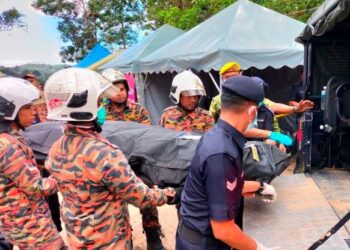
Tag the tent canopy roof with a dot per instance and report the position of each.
(243, 32)
(147, 45)
(97, 53)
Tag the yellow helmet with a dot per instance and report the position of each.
(232, 66)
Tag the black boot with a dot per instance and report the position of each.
(153, 239)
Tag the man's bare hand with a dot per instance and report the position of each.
(304, 105)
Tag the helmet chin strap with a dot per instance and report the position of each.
(97, 127)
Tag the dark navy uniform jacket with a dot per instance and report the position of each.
(214, 185)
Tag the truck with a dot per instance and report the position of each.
(324, 132)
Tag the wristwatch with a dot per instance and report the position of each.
(261, 188)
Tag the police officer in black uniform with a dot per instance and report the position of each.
(213, 189)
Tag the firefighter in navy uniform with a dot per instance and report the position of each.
(208, 214)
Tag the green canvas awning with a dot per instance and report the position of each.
(244, 32)
(146, 46)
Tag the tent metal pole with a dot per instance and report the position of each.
(146, 83)
(215, 83)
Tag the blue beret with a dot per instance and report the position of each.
(244, 86)
(260, 81)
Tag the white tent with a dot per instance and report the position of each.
(244, 32)
(260, 39)
(146, 46)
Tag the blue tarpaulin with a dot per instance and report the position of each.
(96, 54)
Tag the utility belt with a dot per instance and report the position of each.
(195, 237)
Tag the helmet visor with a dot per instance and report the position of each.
(193, 92)
(110, 92)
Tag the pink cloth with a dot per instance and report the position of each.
(131, 81)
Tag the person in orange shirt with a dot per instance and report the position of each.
(93, 175)
(40, 106)
(186, 90)
(118, 107)
(25, 219)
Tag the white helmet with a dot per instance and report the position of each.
(113, 75)
(186, 83)
(14, 94)
(72, 94)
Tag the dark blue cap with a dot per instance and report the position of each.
(261, 81)
(244, 86)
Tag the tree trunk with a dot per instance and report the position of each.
(123, 35)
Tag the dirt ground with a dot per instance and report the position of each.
(168, 221)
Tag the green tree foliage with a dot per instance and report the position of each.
(297, 9)
(10, 19)
(84, 23)
(186, 14)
